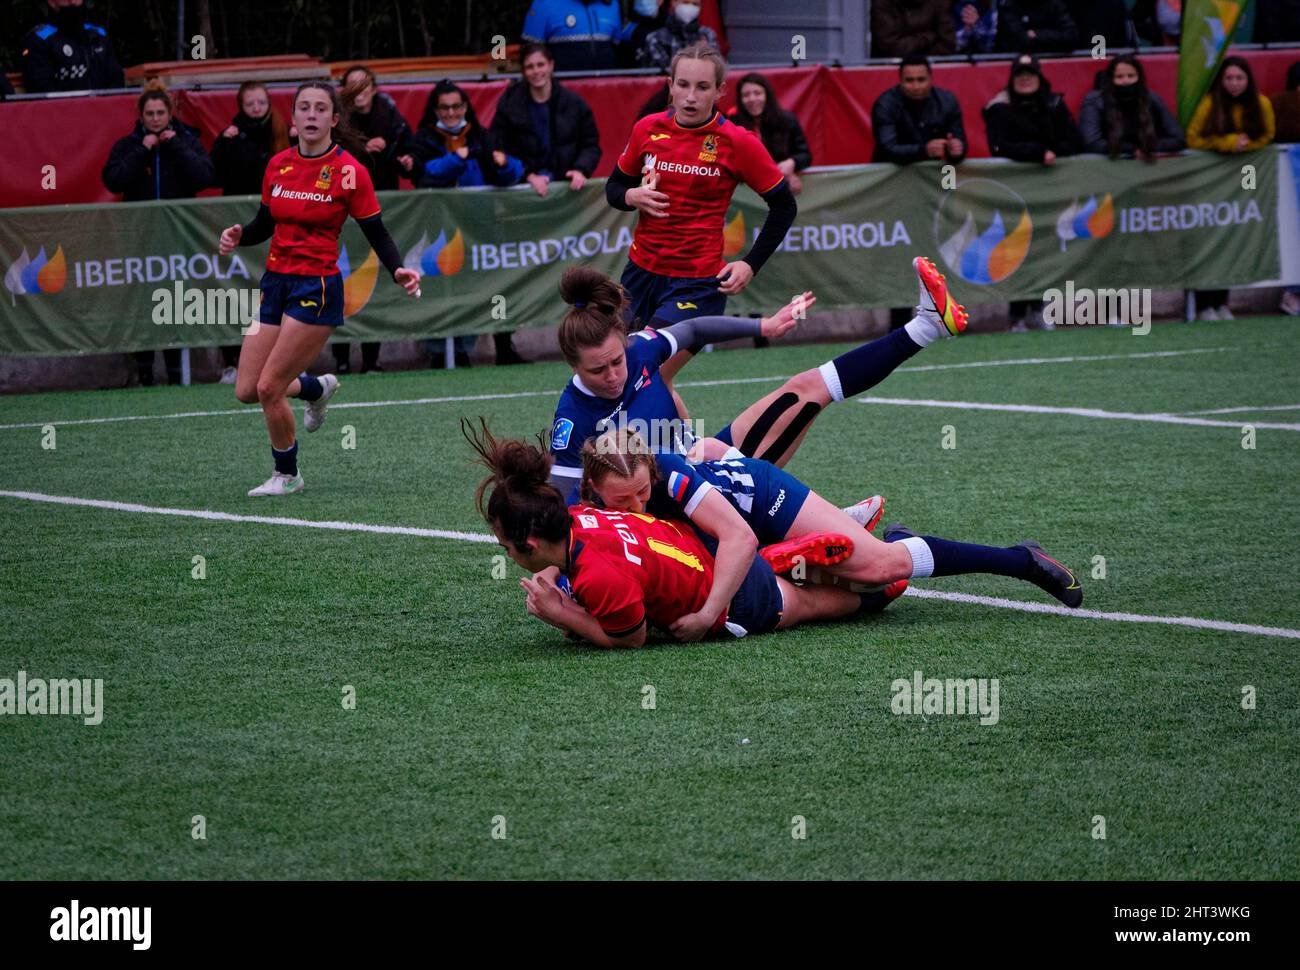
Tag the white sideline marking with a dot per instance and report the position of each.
(400, 530)
(1270, 407)
(250, 409)
(1076, 412)
(1026, 607)
(999, 602)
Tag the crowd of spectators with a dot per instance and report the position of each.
(544, 133)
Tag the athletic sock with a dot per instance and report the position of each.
(866, 366)
(924, 332)
(943, 557)
(310, 388)
(286, 462)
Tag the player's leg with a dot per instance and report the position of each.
(872, 562)
(253, 352)
(814, 602)
(773, 427)
(298, 345)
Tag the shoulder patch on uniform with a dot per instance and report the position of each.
(649, 333)
(43, 31)
(677, 485)
(561, 433)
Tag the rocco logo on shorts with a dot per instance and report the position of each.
(780, 497)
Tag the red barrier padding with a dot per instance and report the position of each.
(833, 105)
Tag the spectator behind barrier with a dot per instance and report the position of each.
(976, 22)
(914, 122)
(644, 18)
(1232, 118)
(1126, 118)
(239, 156)
(1277, 21)
(900, 28)
(584, 35)
(161, 159)
(6, 88)
(1029, 122)
(67, 53)
(778, 129)
(1107, 19)
(453, 150)
(1286, 108)
(373, 115)
(682, 29)
(1035, 26)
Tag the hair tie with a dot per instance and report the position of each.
(579, 305)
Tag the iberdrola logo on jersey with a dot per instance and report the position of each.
(983, 231)
(442, 257)
(358, 286)
(40, 275)
(1092, 220)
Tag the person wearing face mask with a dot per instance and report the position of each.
(1232, 118)
(67, 53)
(682, 29)
(1124, 117)
(1029, 122)
(161, 159)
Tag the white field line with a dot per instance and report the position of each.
(454, 399)
(1075, 412)
(993, 601)
(1242, 410)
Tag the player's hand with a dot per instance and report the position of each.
(231, 132)
(788, 317)
(543, 600)
(551, 574)
(462, 151)
(376, 145)
(409, 280)
(708, 449)
(540, 183)
(693, 626)
(230, 239)
(796, 183)
(576, 179)
(735, 277)
(935, 146)
(149, 141)
(648, 201)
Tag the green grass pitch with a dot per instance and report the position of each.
(222, 696)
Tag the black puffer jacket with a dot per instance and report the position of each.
(1053, 27)
(575, 142)
(1026, 129)
(240, 161)
(386, 122)
(178, 168)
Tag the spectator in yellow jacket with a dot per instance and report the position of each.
(1233, 117)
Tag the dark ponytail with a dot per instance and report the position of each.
(597, 310)
(516, 497)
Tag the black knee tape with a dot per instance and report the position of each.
(791, 434)
(765, 421)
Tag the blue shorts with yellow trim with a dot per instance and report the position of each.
(309, 299)
(758, 604)
(662, 300)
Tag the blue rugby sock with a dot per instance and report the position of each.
(943, 557)
(866, 366)
(310, 389)
(286, 462)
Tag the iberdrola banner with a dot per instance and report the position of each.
(1208, 27)
(120, 277)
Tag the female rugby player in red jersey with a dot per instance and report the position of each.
(308, 192)
(626, 571)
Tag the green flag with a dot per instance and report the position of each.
(1208, 26)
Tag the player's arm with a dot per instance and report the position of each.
(736, 548)
(382, 243)
(547, 603)
(692, 335)
(616, 188)
(257, 231)
(781, 211)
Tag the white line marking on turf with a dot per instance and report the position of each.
(523, 394)
(258, 519)
(1076, 412)
(1025, 607)
(994, 601)
(1269, 407)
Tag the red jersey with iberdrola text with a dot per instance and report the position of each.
(310, 199)
(627, 568)
(699, 169)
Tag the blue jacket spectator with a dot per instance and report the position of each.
(977, 30)
(65, 53)
(582, 34)
(452, 150)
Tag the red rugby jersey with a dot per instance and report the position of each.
(309, 203)
(699, 169)
(625, 568)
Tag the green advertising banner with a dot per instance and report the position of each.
(108, 278)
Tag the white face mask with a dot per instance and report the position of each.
(646, 8)
(688, 13)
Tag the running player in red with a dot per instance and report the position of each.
(626, 571)
(693, 159)
(308, 192)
